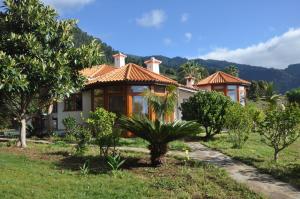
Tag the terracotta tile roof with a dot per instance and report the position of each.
(222, 78)
(134, 73)
(96, 71)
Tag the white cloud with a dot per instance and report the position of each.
(153, 18)
(167, 41)
(184, 17)
(277, 52)
(188, 36)
(63, 5)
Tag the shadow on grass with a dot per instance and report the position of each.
(97, 164)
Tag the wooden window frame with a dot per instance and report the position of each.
(73, 98)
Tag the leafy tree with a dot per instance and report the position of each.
(293, 96)
(39, 63)
(280, 128)
(101, 123)
(263, 90)
(158, 133)
(239, 121)
(163, 106)
(208, 109)
(232, 70)
(191, 69)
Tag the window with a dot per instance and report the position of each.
(159, 89)
(139, 105)
(219, 89)
(117, 104)
(114, 89)
(138, 89)
(73, 103)
(98, 98)
(232, 92)
(242, 95)
(54, 107)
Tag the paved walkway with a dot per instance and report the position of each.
(245, 174)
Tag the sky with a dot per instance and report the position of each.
(257, 32)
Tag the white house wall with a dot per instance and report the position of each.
(86, 108)
(183, 94)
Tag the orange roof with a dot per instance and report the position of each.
(131, 72)
(95, 71)
(221, 78)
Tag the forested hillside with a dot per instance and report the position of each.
(284, 80)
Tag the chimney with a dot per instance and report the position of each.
(190, 81)
(119, 59)
(153, 65)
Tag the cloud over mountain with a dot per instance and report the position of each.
(277, 52)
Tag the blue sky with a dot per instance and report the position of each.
(258, 32)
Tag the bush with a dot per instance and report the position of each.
(83, 137)
(280, 128)
(208, 109)
(71, 126)
(293, 96)
(101, 124)
(239, 122)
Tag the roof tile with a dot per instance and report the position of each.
(221, 78)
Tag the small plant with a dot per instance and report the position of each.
(71, 126)
(115, 162)
(83, 137)
(85, 168)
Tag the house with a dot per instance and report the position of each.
(119, 89)
(229, 85)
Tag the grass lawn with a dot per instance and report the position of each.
(51, 171)
(255, 153)
(138, 142)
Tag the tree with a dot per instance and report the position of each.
(191, 69)
(239, 122)
(100, 123)
(280, 128)
(232, 70)
(39, 63)
(163, 106)
(293, 96)
(158, 133)
(208, 109)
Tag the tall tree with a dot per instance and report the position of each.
(191, 69)
(232, 70)
(38, 61)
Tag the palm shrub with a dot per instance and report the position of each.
(158, 133)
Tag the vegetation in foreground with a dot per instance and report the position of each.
(53, 172)
(256, 153)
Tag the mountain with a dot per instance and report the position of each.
(284, 79)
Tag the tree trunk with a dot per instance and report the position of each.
(49, 119)
(22, 138)
(157, 152)
(276, 156)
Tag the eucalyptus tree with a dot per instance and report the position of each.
(38, 61)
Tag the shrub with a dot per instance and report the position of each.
(208, 109)
(239, 122)
(71, 127)
(101, 124)
(293, 96)
(83, 137)
(158, 133)
(280, 128)
(115, 161)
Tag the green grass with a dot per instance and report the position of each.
(138, 142)
(255, 153)
(51, 171)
